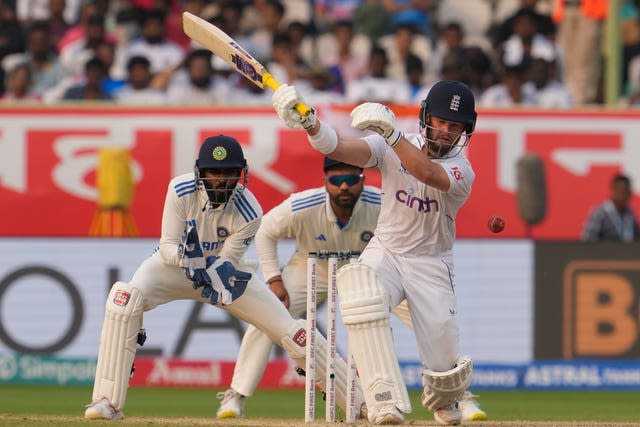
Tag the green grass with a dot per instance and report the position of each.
(27, 401)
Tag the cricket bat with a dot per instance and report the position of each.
(218, 42)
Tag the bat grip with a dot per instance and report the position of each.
(269, 81)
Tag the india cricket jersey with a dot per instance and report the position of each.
(308, 217)
(225, 231)
(409, 206)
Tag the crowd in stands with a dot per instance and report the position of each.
(530, 53)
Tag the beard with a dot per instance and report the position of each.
(345, 199)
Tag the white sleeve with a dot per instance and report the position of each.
(276, 225)
(173, 227)
(378, 147)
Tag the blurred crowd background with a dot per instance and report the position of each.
(538, 54)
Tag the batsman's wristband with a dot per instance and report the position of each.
(394, 138)
(326, 140)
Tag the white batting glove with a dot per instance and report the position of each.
(377, 118)
(284, 100)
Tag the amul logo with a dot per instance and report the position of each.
(601, 301)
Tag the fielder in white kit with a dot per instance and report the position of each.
(340, 216)
(209, 220)
(425, 180)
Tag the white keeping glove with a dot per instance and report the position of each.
(377, 118)
(284, 100)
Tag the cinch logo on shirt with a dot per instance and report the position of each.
(422, 205)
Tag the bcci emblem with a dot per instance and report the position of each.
(219, 153)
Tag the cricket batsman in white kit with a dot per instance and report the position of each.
(209, 220)
(426, 178)
(340, 216)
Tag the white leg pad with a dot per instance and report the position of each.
(364, 305)
(294, 344)
(444, 388)
(122, 321)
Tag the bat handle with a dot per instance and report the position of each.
(269, 81)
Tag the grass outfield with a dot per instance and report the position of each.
(36, 406)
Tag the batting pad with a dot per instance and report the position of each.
(443, 388)
(364, 306)
(294, 346)
(122, 321)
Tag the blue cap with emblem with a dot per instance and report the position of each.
(221, 152)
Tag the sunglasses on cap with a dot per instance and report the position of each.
(337, 180)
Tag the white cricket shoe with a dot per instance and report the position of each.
(448, 415)
(388, 415)
(470, 409)
(102, 410)
(232, 405)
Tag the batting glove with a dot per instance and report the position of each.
(377, 118)
(228, 283)
(192, 259)
(284, 101)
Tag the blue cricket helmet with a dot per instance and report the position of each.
(221, 152)
(450, 100)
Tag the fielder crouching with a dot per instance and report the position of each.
(209, 220)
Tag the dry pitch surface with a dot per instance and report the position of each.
(66, 421)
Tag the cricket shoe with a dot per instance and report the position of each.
(388, 415)
(102, 410)
(470, 409)
(448, 415)
(232, 405)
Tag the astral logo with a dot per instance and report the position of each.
(422, 205)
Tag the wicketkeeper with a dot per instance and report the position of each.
(209, 219)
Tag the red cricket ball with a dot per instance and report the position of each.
(496, 223)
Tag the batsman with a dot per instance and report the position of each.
(210, 217)
(426, 178)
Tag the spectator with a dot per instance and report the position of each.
(526, 42)
(377, 86)
(95, 72)
(200, 86)
(372, 20)
(342, 54)
(58, 22)
(75, 54)
(613, 220)
(550, 93)
(579, 39)
(12, 37)
(19, 84)
(285, 66)
(46, 70)
(511, 91)
(543, 22)
(162, 53)
(403, 41)
(416, 13)
(138, 90)
(271, 24)
(328, 12)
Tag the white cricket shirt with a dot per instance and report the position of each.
(415, 218)
(307, 216)
(225, 231)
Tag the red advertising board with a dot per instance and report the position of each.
(48, 159)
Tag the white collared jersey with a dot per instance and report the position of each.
(415, 218)
(308, 217)
(226, 231)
